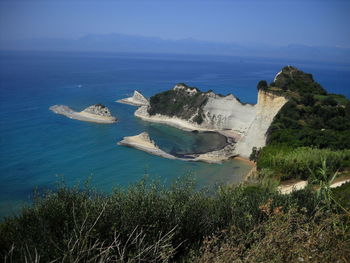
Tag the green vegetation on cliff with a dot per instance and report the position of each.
(312, 118)
(179, 102)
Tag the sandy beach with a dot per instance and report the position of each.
(171, 121)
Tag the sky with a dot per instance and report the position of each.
(270, 22)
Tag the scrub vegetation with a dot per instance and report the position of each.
(152, 223)
(179, 103)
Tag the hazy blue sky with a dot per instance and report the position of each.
(319, 22)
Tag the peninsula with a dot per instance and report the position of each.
(97, 113)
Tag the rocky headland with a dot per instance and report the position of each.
(281, 106)
(188, 108)
(97, 113)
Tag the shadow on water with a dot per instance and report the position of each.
(180, 143)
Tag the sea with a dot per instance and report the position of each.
(38, 148)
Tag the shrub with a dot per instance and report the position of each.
(262, 85)
(61, 225)
(290, 236)
(300, 163)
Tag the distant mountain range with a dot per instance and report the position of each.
(130, 43)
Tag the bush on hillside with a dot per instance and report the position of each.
(300, 163)
(74, 224)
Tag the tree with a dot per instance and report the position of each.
(262, 85)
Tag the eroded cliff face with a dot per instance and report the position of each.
(227, 112)
(267, 108)
(217, 112)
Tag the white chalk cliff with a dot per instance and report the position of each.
(227, 113)
(266, 109)
(137, 99)
(250, 122)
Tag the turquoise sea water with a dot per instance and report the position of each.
(38, 146)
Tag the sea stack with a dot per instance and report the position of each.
(137, 99)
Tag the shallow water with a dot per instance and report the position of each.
(179, 142)
(37, 146)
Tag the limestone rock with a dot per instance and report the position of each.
(137, 99)
(98, 109)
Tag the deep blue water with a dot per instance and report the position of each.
(38, 146)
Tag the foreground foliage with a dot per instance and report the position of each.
(152, 223)
(290, 236)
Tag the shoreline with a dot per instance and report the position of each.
(144, 143)
(227, 152)
(247, 161)
(171, 121)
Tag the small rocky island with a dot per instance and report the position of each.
(97, 113)
(137, 99)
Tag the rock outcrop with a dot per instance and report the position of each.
(99, 110)
(267, 108)
(144, 143)
(136, 100)
(97, 113)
